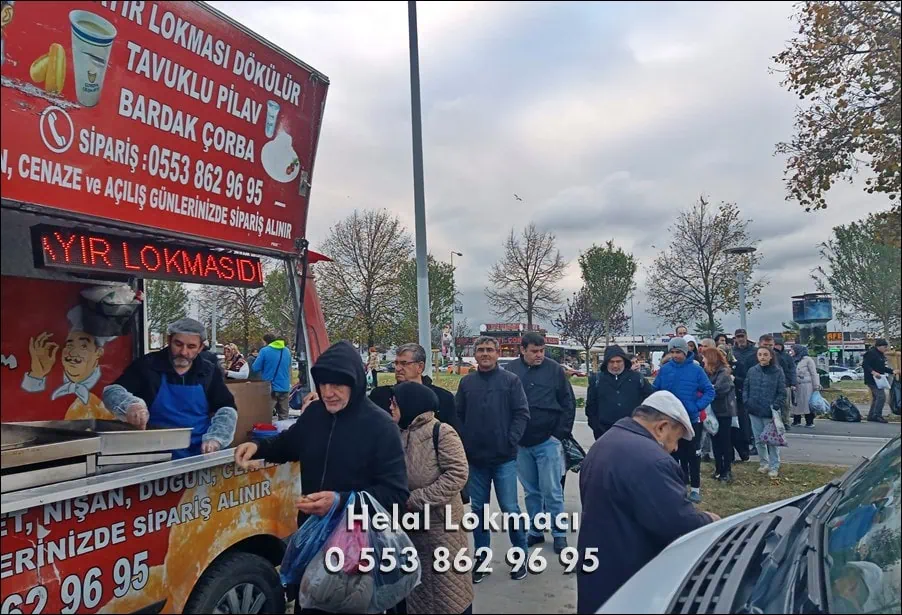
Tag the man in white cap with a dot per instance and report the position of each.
(633, 497)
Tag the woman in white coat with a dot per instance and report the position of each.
(808, 384)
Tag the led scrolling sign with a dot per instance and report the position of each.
(76, 250)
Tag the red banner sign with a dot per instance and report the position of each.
(59, 248)
(165, 115)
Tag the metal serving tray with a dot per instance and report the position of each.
(27, 445)
(119, 438)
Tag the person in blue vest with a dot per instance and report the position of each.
(175, 387)
(274, 365)
(686, 379)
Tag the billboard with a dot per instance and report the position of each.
(812, 308)
(162, 115)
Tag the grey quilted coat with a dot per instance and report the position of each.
(437, 480)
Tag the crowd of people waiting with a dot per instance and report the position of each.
(413, 444)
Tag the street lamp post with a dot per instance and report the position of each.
(453, 308)
(740, 279)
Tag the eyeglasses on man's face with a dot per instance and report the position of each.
(405, 363)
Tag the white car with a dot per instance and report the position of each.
(833, 550)
(838, 374)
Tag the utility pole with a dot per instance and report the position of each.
(453, 309)
(419, 196)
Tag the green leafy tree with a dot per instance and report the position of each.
(166, 301)
(523, 284)
(694, 277)
(360, 287)
(608, 277)
(707, 329)
(846, 62)
(865, 275)
(441, 299)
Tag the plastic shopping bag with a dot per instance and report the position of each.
(881, 381)
(778, 421)
(712, 425)
(772, 436)
(307, 541)
(350, 542)
(390, 588)
(334, 592)
(817, 404)
(574, 454)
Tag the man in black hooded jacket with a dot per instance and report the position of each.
(615, 391)
(343, 440)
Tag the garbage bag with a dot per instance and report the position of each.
(817, 404)
(895, 397)
(844, 411)
(307, 541)
(573, 454)
(393, 586)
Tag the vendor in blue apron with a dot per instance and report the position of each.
(177, 387)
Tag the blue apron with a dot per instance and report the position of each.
(182, 405)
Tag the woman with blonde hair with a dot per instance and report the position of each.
(235, 365)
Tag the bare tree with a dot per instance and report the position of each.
(238, 312)
(523, 282)
(694, 277)
(579, 323)
(360, 287)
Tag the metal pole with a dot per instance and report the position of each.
(213, 326)
(632, 324)
(453, 312)
(740, 278)
(419, 199)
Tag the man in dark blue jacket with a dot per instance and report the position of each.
(493, 412)
(744, 354)
(633, 497)
(873, 364)
(540, 460)
(615, 391)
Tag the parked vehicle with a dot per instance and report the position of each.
(833, 550)
(839, 374)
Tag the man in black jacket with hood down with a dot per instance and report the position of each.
(540, 458)
(615, 391)
(343, 440)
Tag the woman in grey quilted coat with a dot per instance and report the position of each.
(435, 475)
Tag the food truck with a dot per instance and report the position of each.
(140, 140)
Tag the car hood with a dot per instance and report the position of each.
(652, 589)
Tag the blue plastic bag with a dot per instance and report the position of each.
(817, 404)
(307, 541)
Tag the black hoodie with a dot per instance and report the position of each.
(355, 449)
(611, 397)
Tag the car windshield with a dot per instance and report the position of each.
(864, 541)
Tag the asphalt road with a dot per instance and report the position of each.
(828, 442)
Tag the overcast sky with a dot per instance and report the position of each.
(605, 118)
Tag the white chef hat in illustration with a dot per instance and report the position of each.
(76, 323)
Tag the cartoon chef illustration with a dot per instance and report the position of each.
(81, 368)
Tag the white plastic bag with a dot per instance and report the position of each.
(881, 381)
(712, 425)
(778, 422)
(390, 588)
